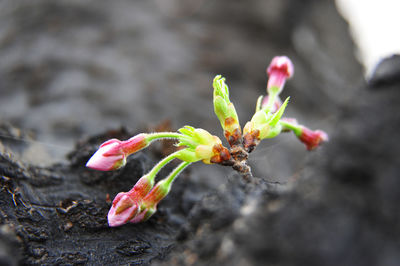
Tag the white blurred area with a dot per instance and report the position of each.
(375, 27)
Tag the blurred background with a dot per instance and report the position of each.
(373, 26)
(72, 69)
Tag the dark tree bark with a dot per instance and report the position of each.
(71, 68)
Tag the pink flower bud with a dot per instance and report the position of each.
(280, 69)
(312, 139)
(127, 205)
(134, 206)
(141, 217)
(159, 191)
(135, 144)
(124, 208)
(150, 201)
(108, 157)
(142, 187)
(112, 154)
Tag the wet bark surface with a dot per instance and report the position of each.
(70, 71)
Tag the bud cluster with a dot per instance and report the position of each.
(140, 203)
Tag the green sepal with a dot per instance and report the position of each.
(267, 123)
(187, 130)
(260, 118)
(149, 212)
(258, 104)
(278, 114)
(270, 132)
(187, 155)
(195, 138)
(203, 137)
(196, 135)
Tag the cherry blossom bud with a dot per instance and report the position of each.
(142, 186)
(108, 157)
(144, 215)
(127, 205)
(112, 154)
(159, 192)
(124, 208)
(312, 139)
(135, 144)
(280, 69)
(150, 201)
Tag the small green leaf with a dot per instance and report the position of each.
(185, 143)
(187, 130)
(278, 114)
(187, 155)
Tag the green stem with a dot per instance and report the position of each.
(168, 135)
(291, 126)
(169, 179)
(162, 188)
(163, 135)
(271, 100)
(153, 172)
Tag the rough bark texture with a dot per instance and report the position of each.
(58, 215)
(72, 69)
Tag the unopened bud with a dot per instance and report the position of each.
(312, 139)
(135, 144)
(127, 205)
(159, 191)
(112, 154)
(142, 186)
(108, 157)
(280, 69)
(226, 112)
(144, 215)
(124, 208)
